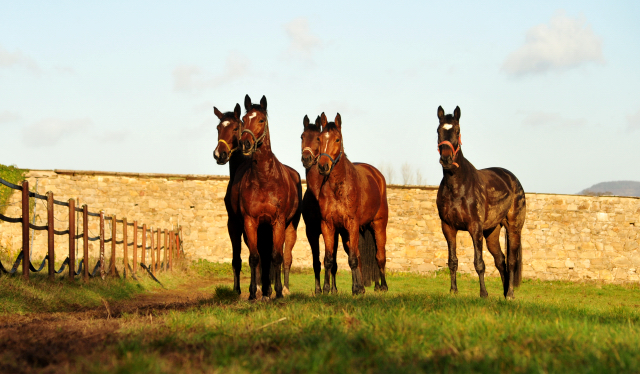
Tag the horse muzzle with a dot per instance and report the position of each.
(247, 147)
(221, 157)
(324, 169)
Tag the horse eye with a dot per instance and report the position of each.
(337, 140)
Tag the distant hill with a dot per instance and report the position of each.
(617, 188)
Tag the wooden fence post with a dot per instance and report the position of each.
(125, 248)
(153, 256)
(135, 246)
(50, 231)
(85, 240)
(101, 244)
(144, 243)
(25, 230)
(72, 239)
(171, 250)
(112, 267)
(164, 263)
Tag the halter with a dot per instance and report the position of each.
(228, 146)
(455, 151)
(256, 141)
(333, 162)
(315, 158)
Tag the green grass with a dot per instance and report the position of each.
(10, 174)
(39, 295)
(416, 327)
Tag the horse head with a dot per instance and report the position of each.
(255, 125)
(331, 147)
(449, 140)
(227, 134)
(310, 141)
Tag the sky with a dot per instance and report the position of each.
(549, 89)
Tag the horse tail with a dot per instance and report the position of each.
(517, 253)
(368, 249)
(265, 249)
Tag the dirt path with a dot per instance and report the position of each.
(50, 342)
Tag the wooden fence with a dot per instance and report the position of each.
(172, 242)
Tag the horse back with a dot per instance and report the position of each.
(503, 193)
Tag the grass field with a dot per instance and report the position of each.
(415, 327)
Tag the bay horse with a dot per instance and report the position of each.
(480, 202)
(352, 200)
(270, 202)
(226, 152)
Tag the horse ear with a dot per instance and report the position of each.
(237, 111)
(305, 121)
(323, 119)
(217, 113)
(247, 103)
(338, 121)
(263, 103)
(319, 122)
(456, 113)
(440, 113)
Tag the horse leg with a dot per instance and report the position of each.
(235, 234)
(514, 258)
(475, 230)
(290, 237)
(251, 236)
(492, 236)
(313, 236)
(328, 232)
(277, 259)
(450, 233)
(380, 234)
(334, 265)
(357, 284)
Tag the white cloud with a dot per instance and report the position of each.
(190, 78)
(50, 131)
(563, 44)
(302, 42)
(8, 60)
(634, 121)
(113, 136)
(6, 117)
(536, 119)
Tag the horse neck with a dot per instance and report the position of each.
(314, 179)
(263, 160)
(340, 173)
(237, 159)
(458, 176)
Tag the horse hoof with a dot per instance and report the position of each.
(252, 297)
(334, 291)
(384, 288)
(484, 294)
(285, 291)
(510, 297)
(318, 291)
(265, 298)
(453, 291)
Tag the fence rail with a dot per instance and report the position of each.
(172, 241)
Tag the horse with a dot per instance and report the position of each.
(270, 197)
(352, 200)
(310, 207)
(480, 202)
(225, 152)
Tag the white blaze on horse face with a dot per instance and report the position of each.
(225, 123)
(447, 126)
(253, 115)
(216, 153)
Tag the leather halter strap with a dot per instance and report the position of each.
(455, 151)
(228, 146)
(315, 158)
(257, 142)
(333, 162)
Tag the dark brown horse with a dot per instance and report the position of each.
(270, 203)
(352, 199)
(480, 202)
(227, 152)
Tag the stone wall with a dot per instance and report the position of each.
(565, 236)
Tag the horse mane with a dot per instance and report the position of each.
(228, 116)
(314, 127)
(259, 108)
(330, 126)
(448, 118)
